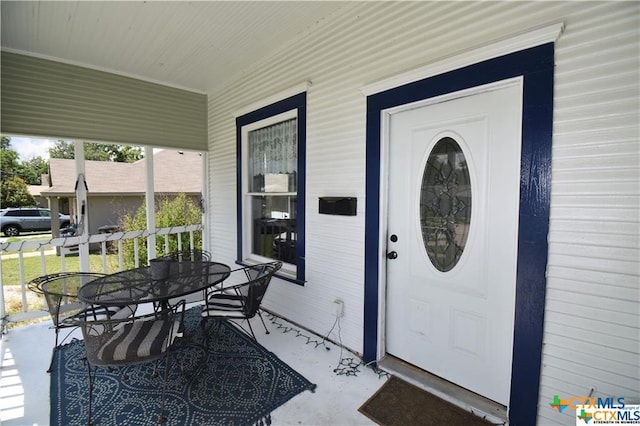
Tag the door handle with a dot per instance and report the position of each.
(392, 255)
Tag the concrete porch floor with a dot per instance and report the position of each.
(24, 383)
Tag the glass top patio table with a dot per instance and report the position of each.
(136, 286)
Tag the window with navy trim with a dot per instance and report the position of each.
(271, 145)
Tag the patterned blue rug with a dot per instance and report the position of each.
(240, 384)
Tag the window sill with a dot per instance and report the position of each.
(283, 275)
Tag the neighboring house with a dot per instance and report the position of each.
(36, 193)
(117, 189)
(529, 299)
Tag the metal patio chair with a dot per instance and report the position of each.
(60, 292)
(241, 301)
(113, 343)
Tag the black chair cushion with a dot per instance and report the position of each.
(224, 305)
(141, 339)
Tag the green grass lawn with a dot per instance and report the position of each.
(33, 269)
(53, 264)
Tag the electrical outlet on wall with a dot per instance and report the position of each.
(339, 305)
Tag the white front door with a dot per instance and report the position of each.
(452, 231)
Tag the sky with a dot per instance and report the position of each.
(28, 148)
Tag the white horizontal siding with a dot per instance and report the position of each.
(592, 337)
(593, 302)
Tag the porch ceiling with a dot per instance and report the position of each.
(199, 46)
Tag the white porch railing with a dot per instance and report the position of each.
(69, 245)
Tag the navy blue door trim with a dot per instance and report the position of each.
(536, 65)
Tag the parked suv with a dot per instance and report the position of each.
(13, 221)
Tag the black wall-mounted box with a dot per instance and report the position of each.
(344, 206)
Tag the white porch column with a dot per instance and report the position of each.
(204, 195)
(82, 213)
(150, 202)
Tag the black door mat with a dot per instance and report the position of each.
(400, 403)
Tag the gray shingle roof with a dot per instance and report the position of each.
(174, 172)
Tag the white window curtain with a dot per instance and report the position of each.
(273, 150)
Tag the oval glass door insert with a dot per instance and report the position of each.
(445, 204)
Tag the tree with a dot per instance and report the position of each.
(8, 159)
(31, 171)
(125, 153)
(5, 142)
(63, 150)
(13, 189)
(97, 152)
(14, 193)
(176, 211)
